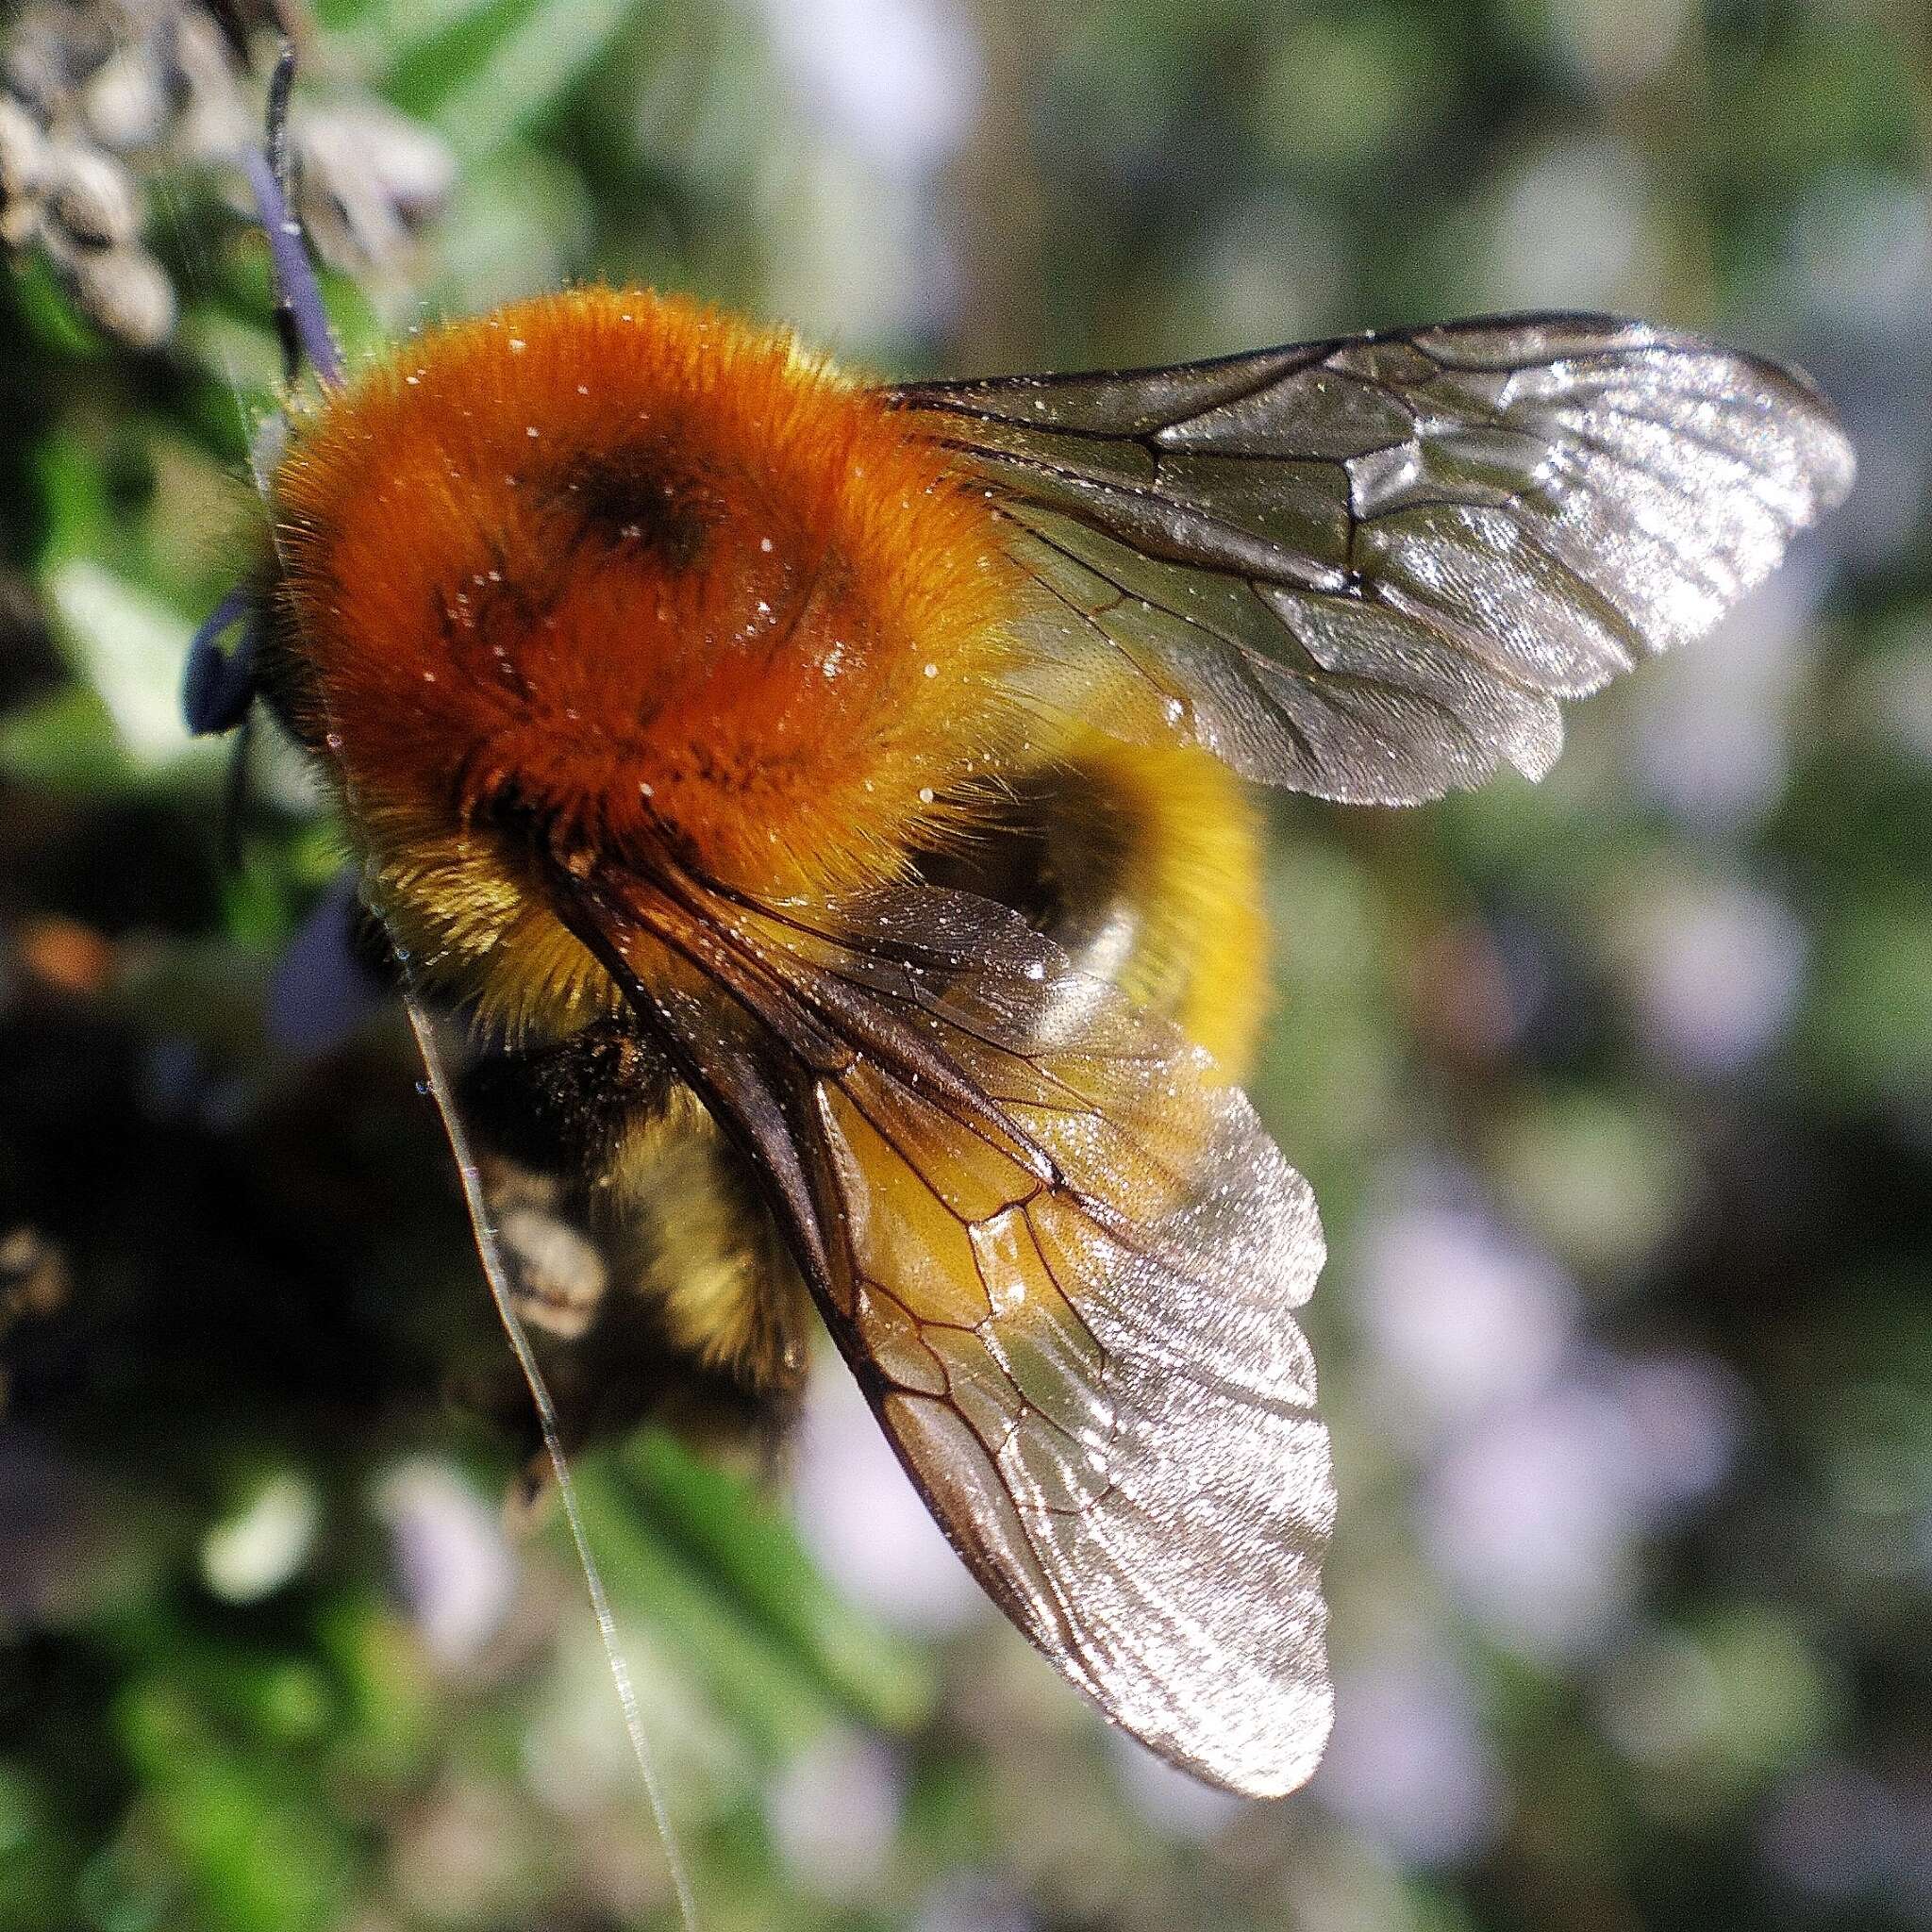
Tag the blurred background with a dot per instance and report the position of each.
(1617, 1091)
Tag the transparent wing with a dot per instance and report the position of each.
(1369, 568)
(1063, 1260)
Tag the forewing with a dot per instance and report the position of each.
(1368, 568)
(1063, 1260)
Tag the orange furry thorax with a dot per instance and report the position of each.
(652, 572)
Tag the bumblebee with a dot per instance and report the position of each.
(826, 798)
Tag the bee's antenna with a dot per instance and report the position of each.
(281, 88)
(301, 321)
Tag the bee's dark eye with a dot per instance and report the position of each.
(219, 685)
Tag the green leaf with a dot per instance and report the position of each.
(505, 68)
(751, 1548)
(772, 1696)
(52, 320)
(65, 741)
(1866, 1030)
(131, 647)
(262, 1854)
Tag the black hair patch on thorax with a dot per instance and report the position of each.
(638, 497)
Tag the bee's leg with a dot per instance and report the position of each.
(637, 1252)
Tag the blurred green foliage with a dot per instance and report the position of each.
(1617, 1092)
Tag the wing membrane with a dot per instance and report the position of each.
(1063, 1259)
(1369, 568)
